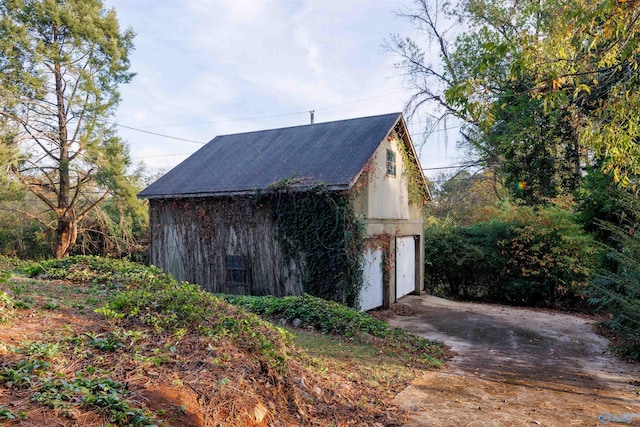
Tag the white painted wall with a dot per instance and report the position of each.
(388, 196)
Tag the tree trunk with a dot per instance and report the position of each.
(66, 234)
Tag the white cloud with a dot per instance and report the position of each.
(202, 63)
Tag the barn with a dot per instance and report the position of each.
(330, 209)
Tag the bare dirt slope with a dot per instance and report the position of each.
(515, 367)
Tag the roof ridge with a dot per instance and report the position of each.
(309, 124)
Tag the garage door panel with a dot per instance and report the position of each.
(372, 294)
(405, 266)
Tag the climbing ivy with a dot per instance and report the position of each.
(418, 193)
(321, 228)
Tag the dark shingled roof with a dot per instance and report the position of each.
(333, 153)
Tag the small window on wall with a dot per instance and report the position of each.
(391, 163)
(236, 269)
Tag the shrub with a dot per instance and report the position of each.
(463, 261)
(114, 272)
(616, 290)
(24, 238)
(6, 302)
(327, 316)
(524, 256)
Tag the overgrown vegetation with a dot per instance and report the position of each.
(132, 346)
(321, 227)
(331, 317)
(525, 256)
(616, 291)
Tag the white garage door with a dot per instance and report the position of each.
(371, 294)
(405, 266)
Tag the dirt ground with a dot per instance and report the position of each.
(516, 367)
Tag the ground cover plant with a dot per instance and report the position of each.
(94, 341)
(333, 318)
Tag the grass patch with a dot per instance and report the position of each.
(365, 363)
(336, 319)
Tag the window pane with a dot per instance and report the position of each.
(236, 268)
(236, 262)
(391, 162)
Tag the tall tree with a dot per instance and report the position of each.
(62, 62)
(571, 64)
(464, 199)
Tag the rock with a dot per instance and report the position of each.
(282, 321)
(300, 382)
(306, 397)
(297, 322)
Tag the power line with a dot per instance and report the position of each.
(449, 167)
(359, 100)
(277, 115)
(161, 155)
(156, 134)
(269, 116)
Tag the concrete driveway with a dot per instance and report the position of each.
(516, 367)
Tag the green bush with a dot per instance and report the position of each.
(6, 302)
(24, 238)
(464, 261)
(327, 316)
(117, 273)
(525, 256)
(616, 291)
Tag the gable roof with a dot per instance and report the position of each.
(333, 153)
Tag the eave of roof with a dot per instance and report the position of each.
(245, 193)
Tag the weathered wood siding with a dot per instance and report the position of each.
(191, 239)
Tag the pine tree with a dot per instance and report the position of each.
(62, 62)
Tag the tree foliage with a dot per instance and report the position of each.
(464, 198)
(62, 62)
(545, 86)
(616, 291)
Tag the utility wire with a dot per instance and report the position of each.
(156, 134)
(277, 115)
(449, 167)
(144, 129)
(357, 101)
(269, 116)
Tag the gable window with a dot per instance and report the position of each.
(236, 266)
(391, 162)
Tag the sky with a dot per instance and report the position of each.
(214, 67)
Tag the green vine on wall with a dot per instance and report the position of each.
(321, 227)
(418, 192)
